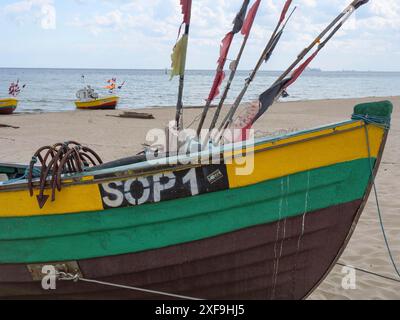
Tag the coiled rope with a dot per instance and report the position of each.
(35, 172)
(379, 121)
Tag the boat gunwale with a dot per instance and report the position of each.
(139, 169)
(8, 99)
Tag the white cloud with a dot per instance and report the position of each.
(149, 27)
(156, 21)
(42, 11)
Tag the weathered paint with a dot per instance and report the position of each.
(152, 226)
(315, 150)
(164, 186)
(246, 264)
(281, 158)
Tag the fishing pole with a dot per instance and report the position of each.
(238, 24)
(235, 66)
(187, 11)
(282, 83)
(347, 12)
(276, 35)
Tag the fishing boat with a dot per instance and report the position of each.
(88, 99)
(252, 219)
(8, 106)
(198, 230)
(106, 103)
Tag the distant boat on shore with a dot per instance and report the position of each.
(8, 106)
(88, 99)
(107, 103)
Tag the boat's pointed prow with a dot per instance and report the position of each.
(374, 112)
(377, 117)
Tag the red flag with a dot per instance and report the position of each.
(248, 23)
(220, 75)
(186, 10)
(285, 10)
(297, 73)
(225, 46)
(219, 78)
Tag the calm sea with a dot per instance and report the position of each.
(53, 90)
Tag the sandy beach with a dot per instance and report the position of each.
(114, 137)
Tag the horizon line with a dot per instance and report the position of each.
(194, 69)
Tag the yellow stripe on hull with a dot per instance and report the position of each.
(72, 199)
(309, 151)
(290, 155)
(8, 102)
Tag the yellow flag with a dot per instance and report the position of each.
(178, 57)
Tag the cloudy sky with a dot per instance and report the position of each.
(141, 33)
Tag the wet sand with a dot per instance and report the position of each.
(114, 138)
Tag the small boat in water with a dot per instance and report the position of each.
(8, 106)
(88, 99)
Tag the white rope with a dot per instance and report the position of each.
(62, 276)
(380, 216)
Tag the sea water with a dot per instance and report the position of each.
(53, 90)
